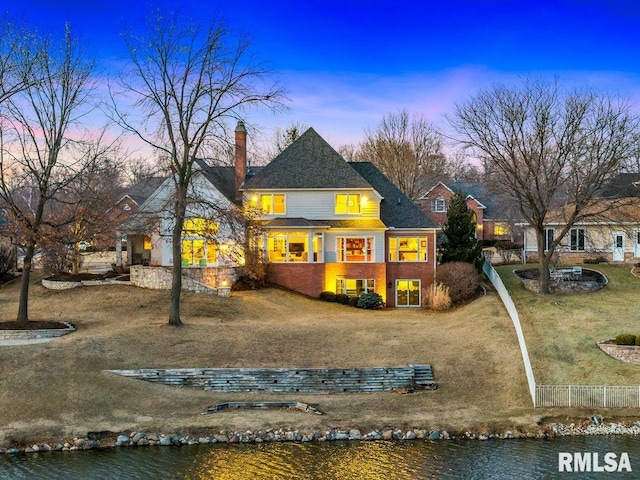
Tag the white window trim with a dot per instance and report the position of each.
(421, 254)
(577, 246)
(272, 195)
(342, 258)
(335, 205)
(287, 236)
(419, 292)
(546, 238)
(364, 280)
(439, 204)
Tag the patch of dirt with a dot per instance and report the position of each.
(32, 325)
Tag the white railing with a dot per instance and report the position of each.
(604, 396)
(513, 313)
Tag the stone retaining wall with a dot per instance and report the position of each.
(624, 353)
(309, 380)
(194, 279)
(55, 285)
(36, 334)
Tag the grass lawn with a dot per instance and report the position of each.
(60, 388)
(561, 330)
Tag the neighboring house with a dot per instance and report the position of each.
(128, 204)
(611, 232)
(330, 225)
(492, 221)
(323, 224)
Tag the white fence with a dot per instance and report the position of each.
(604, 396)
(513, 313)
(588, 396)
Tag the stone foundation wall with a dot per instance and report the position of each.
(624, 353)
(198, 280)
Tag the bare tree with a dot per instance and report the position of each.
(408, 151)
(282, 138)
(549, 149)
(39, 153)
(16, 57)
(186, 81)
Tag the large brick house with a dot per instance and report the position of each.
(332, 225)
(324, 223)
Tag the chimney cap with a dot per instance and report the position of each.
(240, 127)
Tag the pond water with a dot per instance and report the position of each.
(453, 459)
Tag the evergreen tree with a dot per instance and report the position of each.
(459, 242)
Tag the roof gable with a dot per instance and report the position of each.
(308, 163)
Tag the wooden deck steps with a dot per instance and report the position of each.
(291, 380)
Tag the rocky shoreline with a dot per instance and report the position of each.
(103, 440)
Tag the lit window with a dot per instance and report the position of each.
(500, 230)
(439, 204)
(347, 203)
(273, 204)
(288, 247)
(408, 293)
(198, 242)
(407, 249)
(577, 238)
(146, 243)
(355, 249)
(201, 227)
(354, 287)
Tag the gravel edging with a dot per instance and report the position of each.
(104, 440)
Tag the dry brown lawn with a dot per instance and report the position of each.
(60, 388)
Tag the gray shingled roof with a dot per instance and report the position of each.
(309, 162)
(622, 186)
(140, 191)
(396, 209)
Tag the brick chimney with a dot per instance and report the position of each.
(241, 156)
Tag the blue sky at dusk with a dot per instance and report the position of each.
(346, 64)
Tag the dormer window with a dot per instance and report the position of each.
(439, 204)
(347, 203)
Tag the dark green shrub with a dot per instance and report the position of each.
(353, 301)
(342, 298)
(625, 339)
(328, 296)
(370, 301)
(461, 278)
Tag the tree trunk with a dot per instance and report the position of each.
(23, 306)
(176, 278)
(545, 259)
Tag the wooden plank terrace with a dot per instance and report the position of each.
(291, 380)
